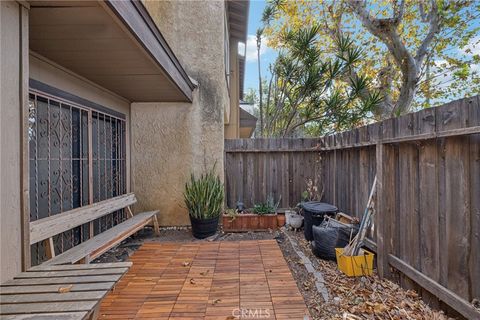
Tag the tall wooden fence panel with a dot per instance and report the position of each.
(261, 168)
(427, 224)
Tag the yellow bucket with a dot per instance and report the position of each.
(355, 266)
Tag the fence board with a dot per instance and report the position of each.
(457, 214)
(475, 215)
(385, 203)
(408, 222)
(428, 206)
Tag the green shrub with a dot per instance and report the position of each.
(204, 195)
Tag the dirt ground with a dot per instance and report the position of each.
(349, 298)
(173, 234)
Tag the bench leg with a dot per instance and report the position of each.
(129, 212)
(95, 312)
(84, 260)
(156, 227)
(49, 248)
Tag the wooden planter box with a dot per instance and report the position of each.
(249, 222)
(280, 220)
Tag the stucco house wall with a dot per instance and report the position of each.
(172, 140)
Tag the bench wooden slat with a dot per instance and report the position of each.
(52, 297)
(70, 273)
(103, 241)
(48, 227)
(64, 280)
(53, 288)
(68, 293)
(67, 267)
(47, 316)
(51, 307)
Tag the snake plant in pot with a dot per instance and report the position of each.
(204, 199)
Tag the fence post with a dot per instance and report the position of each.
(385, 206)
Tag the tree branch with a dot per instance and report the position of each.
(434, 21)
(399, 11)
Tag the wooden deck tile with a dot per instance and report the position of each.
(217, 280)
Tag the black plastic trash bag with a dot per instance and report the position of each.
(330, 235)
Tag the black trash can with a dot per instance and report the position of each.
(313, 212)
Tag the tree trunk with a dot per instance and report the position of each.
(407, 92)
(260, 93)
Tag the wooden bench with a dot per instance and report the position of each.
(62, 292)
(60, 288)
(45, 229)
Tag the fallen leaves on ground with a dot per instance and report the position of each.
(65, 289)
(357, 298)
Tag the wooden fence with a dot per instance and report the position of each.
(427, 227)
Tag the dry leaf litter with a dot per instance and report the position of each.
(353, 298)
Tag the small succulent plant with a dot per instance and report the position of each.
(266, 207)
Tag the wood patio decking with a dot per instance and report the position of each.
(206, 280)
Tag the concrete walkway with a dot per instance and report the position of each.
(206, 280)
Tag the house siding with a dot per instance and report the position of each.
(10, 140)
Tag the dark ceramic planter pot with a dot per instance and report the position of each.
(203, 228)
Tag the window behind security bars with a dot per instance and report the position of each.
(77, 157)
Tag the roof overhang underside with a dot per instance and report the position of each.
(112, 43)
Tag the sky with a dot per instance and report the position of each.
(268, 55)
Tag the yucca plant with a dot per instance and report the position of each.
(204, 195)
